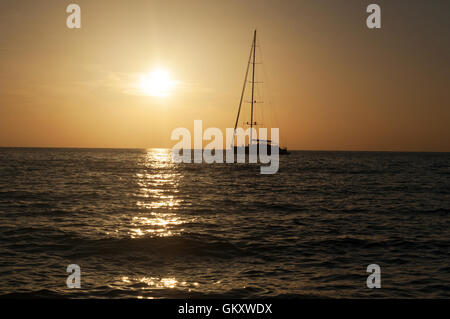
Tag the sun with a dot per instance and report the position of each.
(157, 83)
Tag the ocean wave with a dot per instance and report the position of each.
(186, 245)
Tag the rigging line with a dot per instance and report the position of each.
(242, 94)
(259, 97)
(261, 93)
(260, 90)
(253, 87)
(268, 91)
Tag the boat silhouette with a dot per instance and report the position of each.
(259, 142)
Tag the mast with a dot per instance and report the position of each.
(253, 87)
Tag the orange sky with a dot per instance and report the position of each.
(332, 83)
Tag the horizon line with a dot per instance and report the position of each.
(166, 148)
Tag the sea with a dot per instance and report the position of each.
(140, 226)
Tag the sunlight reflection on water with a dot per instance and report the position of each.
(157, 185)
(160, 224)
(149, 283)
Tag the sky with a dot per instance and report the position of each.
(330, 83)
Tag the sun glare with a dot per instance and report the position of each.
(157, 83)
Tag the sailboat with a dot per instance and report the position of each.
(252, 123)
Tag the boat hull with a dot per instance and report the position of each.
(281, 151)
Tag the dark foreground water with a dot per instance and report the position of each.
(140, 226)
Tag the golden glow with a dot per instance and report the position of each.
(157, 83)
(104, 87)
